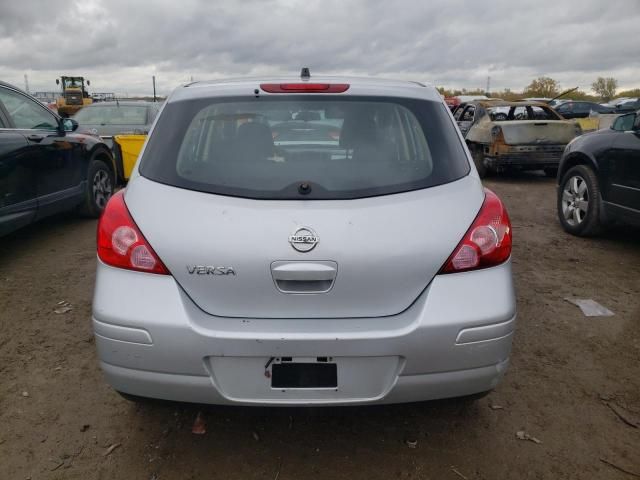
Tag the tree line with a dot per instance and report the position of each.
(545, 87)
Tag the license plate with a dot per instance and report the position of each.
(304, 375)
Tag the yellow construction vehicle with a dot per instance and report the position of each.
(74, 95)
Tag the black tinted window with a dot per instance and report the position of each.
(268, 147)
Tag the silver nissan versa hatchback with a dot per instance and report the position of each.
(304, 241)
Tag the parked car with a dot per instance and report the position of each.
(46, 167)
(107, 119)
(578, 109)
(452, 102)
(557, 101)
(630, 105)
(599, 178)
(324, 266)
(514, 135)
(616, 101)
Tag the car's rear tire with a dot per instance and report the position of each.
(100, 186)
(578, 202)
(478, 160)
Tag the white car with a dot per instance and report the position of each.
(304, 241)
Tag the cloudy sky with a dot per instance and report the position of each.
(120, 44)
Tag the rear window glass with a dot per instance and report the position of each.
(308, 147)
(112, 115)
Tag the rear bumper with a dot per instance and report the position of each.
(454, 340)
(201, 389)
(526, 156)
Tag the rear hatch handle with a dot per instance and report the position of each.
(304, 276)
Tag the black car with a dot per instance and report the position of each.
(599, 178)
(628, 106)
(575, 109)
(45, 168)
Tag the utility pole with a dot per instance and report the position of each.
(154, 88)
(488, 86)
(26, 83)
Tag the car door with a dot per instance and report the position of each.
(18, 178)
(565, 109)
(466, 119)
(582, 109)
(58, 179)
(624, 166)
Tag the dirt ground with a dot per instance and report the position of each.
(58, 419)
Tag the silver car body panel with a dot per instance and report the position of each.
(396, 329)
(387, 249)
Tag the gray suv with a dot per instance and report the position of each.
(298, 241)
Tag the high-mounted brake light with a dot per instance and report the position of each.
(487, 242)
(120, 242)
(305, 87)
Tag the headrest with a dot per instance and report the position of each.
(255, 137)
(358, 129)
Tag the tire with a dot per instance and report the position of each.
(478, 160)
(117, 156)
(100, 186)
(578, 202)
(551, 172)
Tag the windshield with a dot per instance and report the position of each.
(73, 82)
(112, 115)
(304, 148)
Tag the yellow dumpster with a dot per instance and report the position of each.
(589, 124)
(126, 149)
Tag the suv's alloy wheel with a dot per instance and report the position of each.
(579, 201)
(575, 200)
(102, 188)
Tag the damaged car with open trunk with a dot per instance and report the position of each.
(515, 135)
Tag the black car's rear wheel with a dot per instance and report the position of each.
(579, 202)
(99, 190)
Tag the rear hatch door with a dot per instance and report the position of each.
(234, 258)
(531, 132)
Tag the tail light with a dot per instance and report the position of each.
(487, 242)
(304, 87)
(120, 242)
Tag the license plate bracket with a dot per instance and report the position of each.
(290, 375)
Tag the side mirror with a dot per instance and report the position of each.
(57, 81)
(69, 125)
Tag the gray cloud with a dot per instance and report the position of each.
(119, 44)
